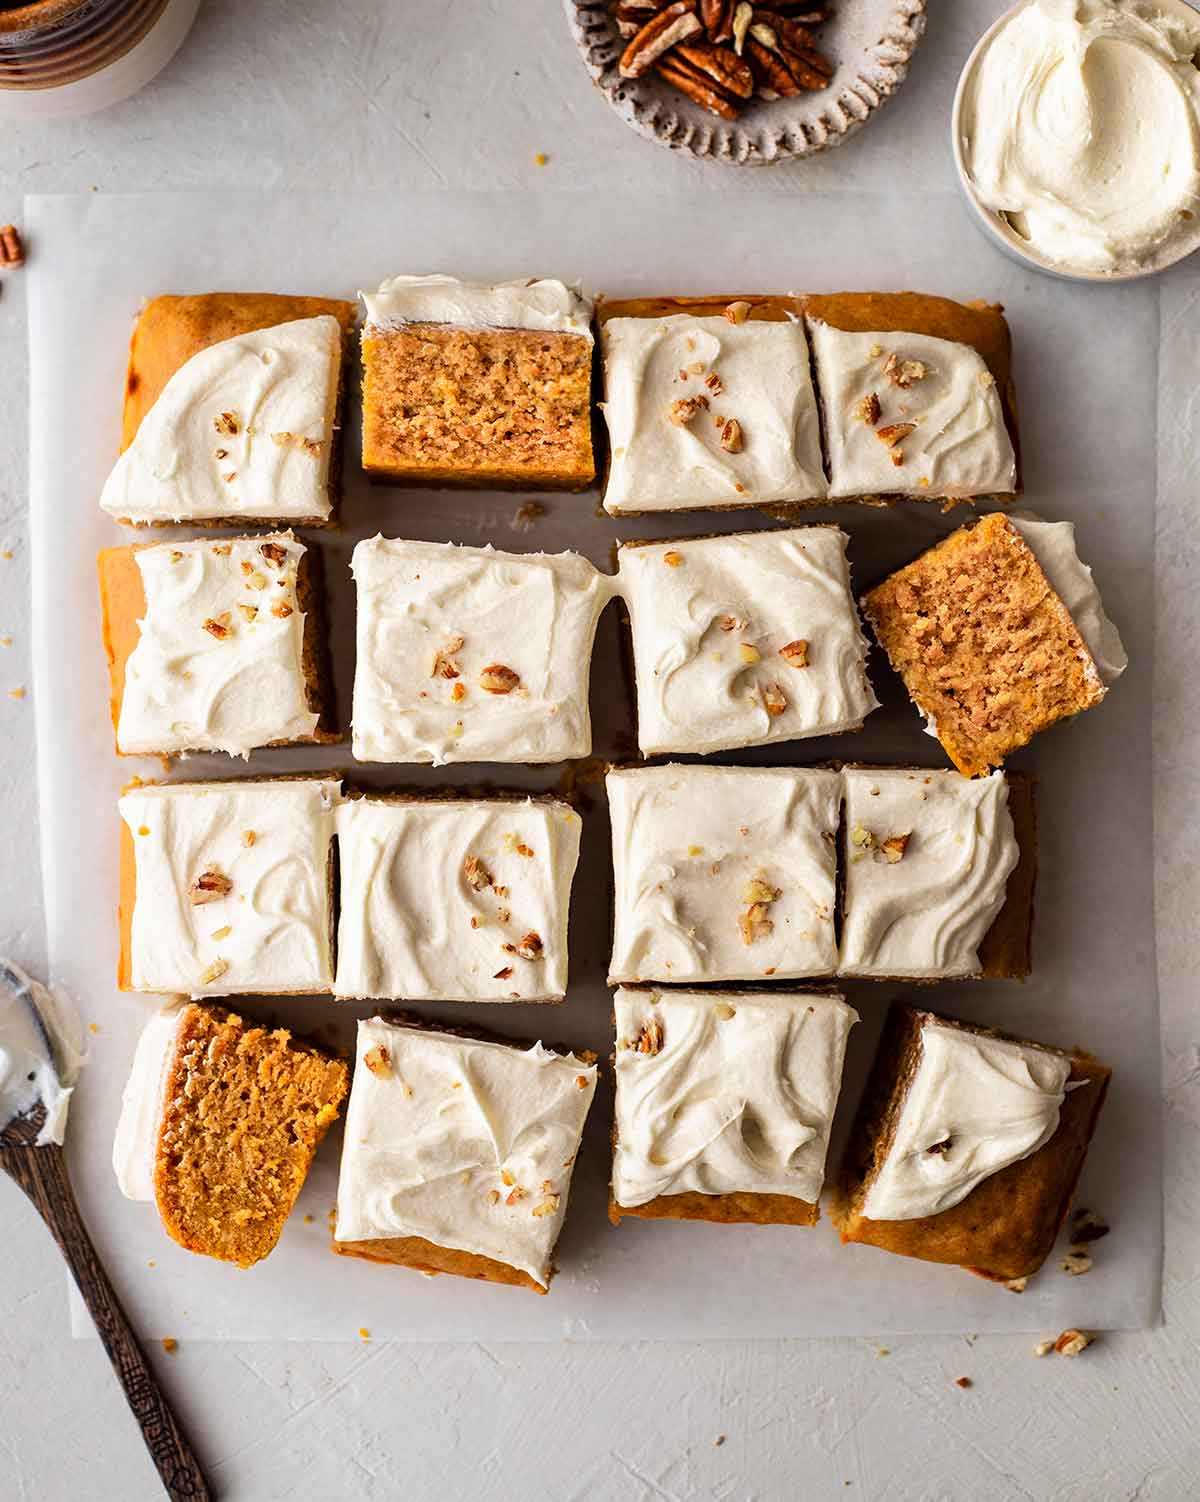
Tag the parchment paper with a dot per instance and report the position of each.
(1086, 372)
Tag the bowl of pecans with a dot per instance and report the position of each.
(747, 84)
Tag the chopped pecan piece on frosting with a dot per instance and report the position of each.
(731, 436)
(774, 700)
(650, 1039)
(894, 432)
(795, 653)
(867, 409)
(379, 1061)
(219, 626)
(209, 886)
(477, 875)
(530, 947)
(894, 847)
(683, 410)
(737, 312)
(444, 665)
(274, 552)
(227, 422)
(498, 679)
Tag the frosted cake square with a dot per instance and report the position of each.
(215, 646)
(724, 1103)
(458, 1153)
(455, 899)
(227, 887)
(723, 873)
(744, 639)
(967, 1145)
(468, 654)
(709, 404)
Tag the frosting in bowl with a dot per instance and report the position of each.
(1080, 129)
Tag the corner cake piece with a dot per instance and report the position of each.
(231, 411)
(709, 404)
(467, 654)
(967, 1145)
(227, 887)
(458, 1153)
(987, 650)
(724, 1103)
(220, 1121)
(917, 396)
(215, 646)
(468, 384)
(744, 639)
(723, 873)
(938, 874)
(455, 899)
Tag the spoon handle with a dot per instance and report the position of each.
(42, 1174)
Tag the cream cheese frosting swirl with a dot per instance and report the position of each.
(924, 915)
(734, 1092)
(1053, 545)
(135, 1144)
(190, 687)
(1080, 127)
(974, 1105)
(468, 1144)
(243, 428)
(745, 639)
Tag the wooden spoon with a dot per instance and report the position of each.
(41, 1171)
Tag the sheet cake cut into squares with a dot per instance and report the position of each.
(227, 887)
(724, 1102)
(743, 639)
(458, 1153)
(468, 654)
(967, 1145)
(215, 646)
(723, 873)
(455, 899)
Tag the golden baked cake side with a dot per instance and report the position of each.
(244, 1109)
(985, 647)
(509, 408)
(1005, 1226)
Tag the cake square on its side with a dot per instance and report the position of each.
(744, 639)
(985, 647)
(216, 646)
(458, 1152)
(455, 899)
(220, 1121)
(709, 404)
(967, 1145)
(724, 1103)
(227, 887)
(465, 384)
(467, 654)
(232, 411)
(723, 873)
(938, 874)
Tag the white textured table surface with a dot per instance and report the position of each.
(368, 94)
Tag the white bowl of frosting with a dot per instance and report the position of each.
(1076, 133)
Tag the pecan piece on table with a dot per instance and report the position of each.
(661, 32)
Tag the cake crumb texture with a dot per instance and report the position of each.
(245, 1108)
(478, 407)
(983, 643)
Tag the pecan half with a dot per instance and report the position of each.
(771, 73)
(662, 32)
(717, 17)
(727, 73)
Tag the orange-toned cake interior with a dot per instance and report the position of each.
(170, 330)
(504, 407)
(122, 606)
(244, 1110)
(734, 1208)
(427, 1257)
(985, 647)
